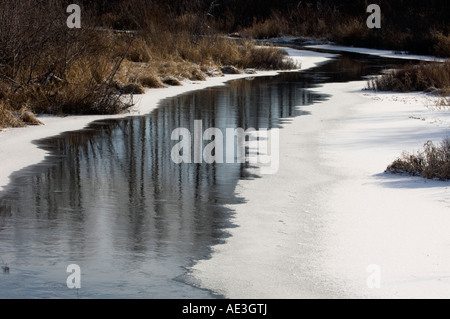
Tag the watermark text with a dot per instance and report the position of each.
(235, 145)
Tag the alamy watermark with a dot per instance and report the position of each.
(374, 278)
(74, 279)
(374, 20)
(234, 145)
(74, 19)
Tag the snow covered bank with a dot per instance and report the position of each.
(17, 150)
(308, 59)
(380, 53)
(397, 222)
(312, 230)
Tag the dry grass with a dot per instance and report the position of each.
(267, 57)
(181, 70)
(270, 28)
(431, 163)
(8, 118)
(422, 28)
(151, 81)
(171, 81)
(423, 77)
(47, 68)
(441, 44)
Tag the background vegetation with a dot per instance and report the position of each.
(414, 25)
(47, 68)
(122, 47)
(429, 77)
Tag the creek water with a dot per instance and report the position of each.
(110, 199)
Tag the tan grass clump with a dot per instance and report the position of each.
(431, 163)
(151, 81)
(46, 67)
(422, 77)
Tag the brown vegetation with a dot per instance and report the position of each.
(434, 77)
(431, 163)
(416, 26)
(46, 67)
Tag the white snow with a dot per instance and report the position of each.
(381, 53)
(307, 59)
(397, 222)
(314, 229)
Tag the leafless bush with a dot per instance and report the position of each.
(51, 68)
(46, 67)
(431, 163)
(422, 77)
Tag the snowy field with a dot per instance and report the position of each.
(319, 227)
(312, 230)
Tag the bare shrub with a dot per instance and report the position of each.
(50, 68)
(172, 81)
(431, 163)
(442, 44)
(46, 67)
(422, 77)
(268, 58)
(274, 27)
(8, 118)
(151, 81)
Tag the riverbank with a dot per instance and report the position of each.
(376, 52)
(331, 212)
(17, 150)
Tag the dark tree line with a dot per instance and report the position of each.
(415, 15)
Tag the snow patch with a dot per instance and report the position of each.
(381, 53)
(332, 211)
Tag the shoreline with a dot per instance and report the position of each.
(332, 212)
(17, 150)
(375, 52)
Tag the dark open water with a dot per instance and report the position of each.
(111, 200)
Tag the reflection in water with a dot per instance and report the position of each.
(110, 199)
